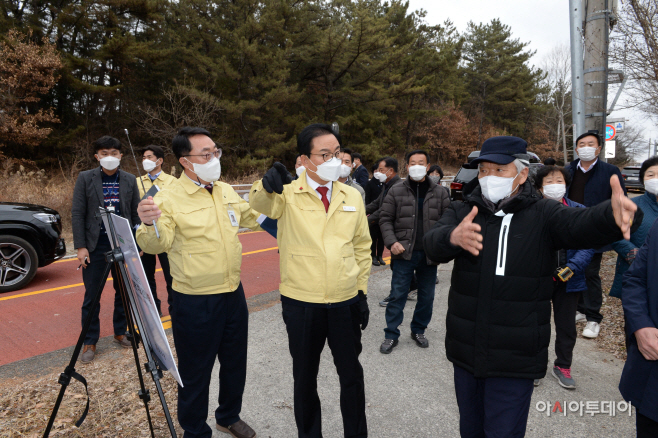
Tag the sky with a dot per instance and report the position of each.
(542, 23)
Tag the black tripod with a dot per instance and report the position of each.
(115, 258)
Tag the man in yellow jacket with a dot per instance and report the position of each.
(324, 242)
(153, 159)
(198, 219)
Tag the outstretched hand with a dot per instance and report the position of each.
(276, 178)
(467, 234)
(622, 208)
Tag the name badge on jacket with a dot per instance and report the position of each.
(232, 217)
(348, 208)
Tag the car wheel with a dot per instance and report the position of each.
(18, 263)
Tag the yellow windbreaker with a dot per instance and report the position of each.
(325, 257)
(195, 228)
(162, 181)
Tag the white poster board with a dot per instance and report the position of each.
(146, 308)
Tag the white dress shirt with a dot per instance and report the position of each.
(590, 167)
(315, 186)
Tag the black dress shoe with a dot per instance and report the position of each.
(381, 261)
(388, 345)
(375, 262)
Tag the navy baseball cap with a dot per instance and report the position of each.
(502, 150)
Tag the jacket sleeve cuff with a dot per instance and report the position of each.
(362, 287)
(638, 323)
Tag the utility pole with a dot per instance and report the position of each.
(576, 17)
(597, 29)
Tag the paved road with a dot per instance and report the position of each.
(409, 393)
(46, 315)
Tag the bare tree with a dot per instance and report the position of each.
(635, 49)
(632, 147)
(557, 65)
(182, 106)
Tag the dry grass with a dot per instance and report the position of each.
(611, 338)
(115, 409)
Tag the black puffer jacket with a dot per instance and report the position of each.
(499, 305)
(398, 221)
(373, 209)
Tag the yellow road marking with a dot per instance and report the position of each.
(72, 259)
(260, 250)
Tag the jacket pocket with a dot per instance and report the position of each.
(204, 268)
(303, 269)
(349, 269)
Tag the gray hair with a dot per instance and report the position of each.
(521, 164)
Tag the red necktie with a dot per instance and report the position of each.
(323, 196)
(209, 188)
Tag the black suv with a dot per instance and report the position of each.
(30, 238)
(631, 176)
(465, 175)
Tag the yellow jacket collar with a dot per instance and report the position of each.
(301, 186)
(189, 185)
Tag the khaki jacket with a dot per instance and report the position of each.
(204, 251)
(325, 256)
(163, 180)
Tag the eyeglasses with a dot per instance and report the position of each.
(217, 153)
(328, 156)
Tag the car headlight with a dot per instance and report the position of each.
(45, 217)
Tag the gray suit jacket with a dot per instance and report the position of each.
(88, 196)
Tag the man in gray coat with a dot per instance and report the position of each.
(408, 211)
(105, 186)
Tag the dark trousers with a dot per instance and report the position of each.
(92, 277)
(148, 260)
(564, 315)
(646, 427)
(592, 298)
(206, 327)
(308, 330)
(377, 247)
(493, 407)
(403, 272)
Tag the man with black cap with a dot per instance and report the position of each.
(504, 240)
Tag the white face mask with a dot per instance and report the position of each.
(329, 170)
(554, 191)
(587, 153)
(651, 185)
(495, 188)
(417, 172)
(345, 170)
(379, 176)
(300, 170)
(149, 165)
(110, 163)
(210, 171)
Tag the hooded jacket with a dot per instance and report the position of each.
(499, 304)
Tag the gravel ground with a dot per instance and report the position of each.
(409, 393)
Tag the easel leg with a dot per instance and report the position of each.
(143, 392)
(151, 365)
(65, 377)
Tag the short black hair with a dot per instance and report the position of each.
(587, 134)
(157, 151)
(550, 162)
(389, 162)
(356, 156)
(436, 168)
(650, 162)
(349, 152)
(544, 171)
(416, 152)
(374, 166)
(181, 143)
(307, 135)
(106, 142)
